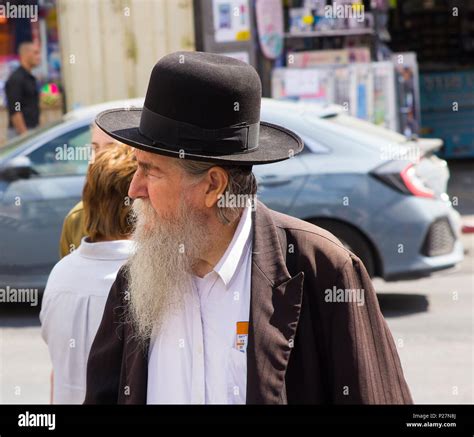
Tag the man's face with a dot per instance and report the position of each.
(163, 183)
(34, 56)
(169, 215)
(100, 140)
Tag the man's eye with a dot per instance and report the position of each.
(148, 172)
(153, 175)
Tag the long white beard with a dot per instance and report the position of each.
(159, 272)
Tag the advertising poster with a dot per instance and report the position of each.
(315, 58)
(302, 84)
(361, 91)
(231, 20)
(269, 15)
(385, 104)
(342, 86)
(406, 70)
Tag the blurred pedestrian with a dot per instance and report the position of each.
(73, 227)
(78, 285)
(22, 92)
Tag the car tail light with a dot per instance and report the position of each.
(401, 176)
(413, 183)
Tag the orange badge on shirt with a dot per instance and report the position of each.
(242, 335)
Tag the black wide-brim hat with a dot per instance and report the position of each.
(203, 107)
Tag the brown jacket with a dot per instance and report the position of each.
(301, 349)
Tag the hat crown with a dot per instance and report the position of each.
(204, 107)
(204, 89)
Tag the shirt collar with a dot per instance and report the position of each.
(26, 71)
(106, 250)
(229, 262)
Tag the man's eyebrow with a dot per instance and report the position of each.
(148, 166)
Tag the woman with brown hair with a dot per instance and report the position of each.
(79, 284)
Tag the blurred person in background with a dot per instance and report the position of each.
(78, 285)
(22, 93)
(74, 224)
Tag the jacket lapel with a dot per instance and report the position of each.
(275, 306)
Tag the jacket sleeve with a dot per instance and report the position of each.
(365, 365)
(105, 357)
(64, 240)
(73, 230)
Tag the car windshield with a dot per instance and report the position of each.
(20, 140)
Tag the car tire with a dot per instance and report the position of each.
(352, 239)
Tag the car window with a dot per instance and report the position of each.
(68, 154)
(21, 139)
(313, 146)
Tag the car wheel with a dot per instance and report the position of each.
(352, 239)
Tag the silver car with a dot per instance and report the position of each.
(383, 196)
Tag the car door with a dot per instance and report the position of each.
(32, 210)
(280, 182)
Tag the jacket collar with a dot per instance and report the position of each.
(275, 306)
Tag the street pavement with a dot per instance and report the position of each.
(431, 321)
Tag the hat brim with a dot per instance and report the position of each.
(275, 142)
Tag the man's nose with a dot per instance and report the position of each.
(137, 188)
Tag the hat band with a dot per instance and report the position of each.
(178, 135)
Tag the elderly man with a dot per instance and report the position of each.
(229, 302)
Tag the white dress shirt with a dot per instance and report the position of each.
(72, 308)
(198, 357)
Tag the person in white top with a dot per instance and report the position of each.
(78, 286)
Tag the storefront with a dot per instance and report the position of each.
(334, 52)
(36, 21)
(441, 32)
(363, 55)
(318, 50)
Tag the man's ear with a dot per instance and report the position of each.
(217, 180)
